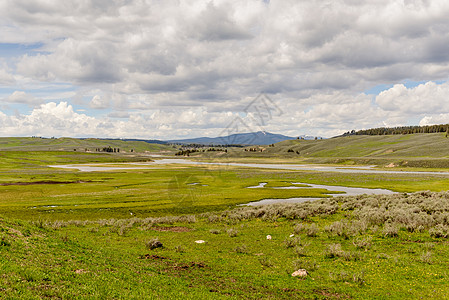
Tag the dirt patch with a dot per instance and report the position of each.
(329, 294)
(43, 182)
(173, 265)
(152, 257)
(15, 232)
(290, 290)
(172, 229)
(189, 265)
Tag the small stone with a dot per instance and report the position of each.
(268, 237)
(291, 235)
(300, 273)
(200, 242)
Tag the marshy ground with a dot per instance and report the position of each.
(134, 233)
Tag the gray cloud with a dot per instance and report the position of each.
(138, 56)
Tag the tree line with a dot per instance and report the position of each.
(107, 149)
(400, 130)
(186, 152)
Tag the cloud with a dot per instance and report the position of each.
(6, 78)
(99, 102)
(22, 97)
(174, 62)
(434, 120)
(215, 24)
(76, 61)
(60, 119)
(425, 98)
(119, 114)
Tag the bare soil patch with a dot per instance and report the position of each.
(152, 257)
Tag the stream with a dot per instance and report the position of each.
(348, 191)
(294, 167)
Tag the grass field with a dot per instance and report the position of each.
(35, 191)
(351, 248)
(83, 145)
(71, 234)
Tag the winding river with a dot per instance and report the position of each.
(348, 191)
(294, 167)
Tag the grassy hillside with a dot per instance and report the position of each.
(433, 145)
(70, 144)
(412, 150)
(369, 247)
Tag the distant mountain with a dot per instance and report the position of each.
(253, 138)
(147, 141)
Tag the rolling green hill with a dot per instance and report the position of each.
(70, 144)
(433, 145)
(412, 150)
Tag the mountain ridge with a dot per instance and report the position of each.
(251, 138)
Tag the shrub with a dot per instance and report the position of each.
(333, 250)
(313, 230)
(122, 230)
(300, 228)
(301, 251)
(390, 230)
(308, 265)
(358, 227)
(187, 219)
(359, 278)
(292, 242)
(338, 228)
(362, 243)
(39, 223)
(232, 232)
(215, 231)
(93, 229)
(439, 231)
(343, 276)
(426, 258)
(266, 262)
(154, 243)
(241, 249)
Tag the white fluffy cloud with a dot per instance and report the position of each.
(60, 119)
(5, 77)
(426, 98)
(22, 97)
(99, 102)
(202, 60)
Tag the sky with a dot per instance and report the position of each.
(180, 69)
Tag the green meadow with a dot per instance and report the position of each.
(131, 233)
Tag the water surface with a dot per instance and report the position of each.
(294, 167)
(347, 191)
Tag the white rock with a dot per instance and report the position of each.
(291, 235)
(300, 273)
(200, 242)
(268, 237)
